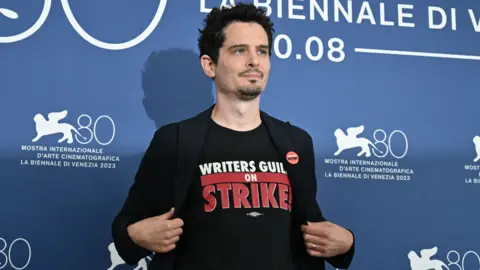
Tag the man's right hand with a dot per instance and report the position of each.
(158, 234)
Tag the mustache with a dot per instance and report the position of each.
(251, 71)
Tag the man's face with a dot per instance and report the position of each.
(243, 64)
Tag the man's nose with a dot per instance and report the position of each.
(252, 60)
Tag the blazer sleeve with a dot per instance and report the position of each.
(150, 194)
(341, 261)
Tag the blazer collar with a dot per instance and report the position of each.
(279, 134)
(199, 125)
(190, 140)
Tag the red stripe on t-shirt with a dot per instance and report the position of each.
(259, 177)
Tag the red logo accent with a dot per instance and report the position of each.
(292, 157)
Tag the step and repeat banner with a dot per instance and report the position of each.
(388, 91)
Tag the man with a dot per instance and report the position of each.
(231, 188)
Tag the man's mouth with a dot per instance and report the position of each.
(252, 75)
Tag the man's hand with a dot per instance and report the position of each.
(325, 239)
(157, 234)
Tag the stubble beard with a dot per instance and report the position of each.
(249, 93)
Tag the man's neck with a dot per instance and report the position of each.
(237, 115)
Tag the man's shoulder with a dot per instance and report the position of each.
(166, 131)
(287, 126)
(171, 129)
(167, 134)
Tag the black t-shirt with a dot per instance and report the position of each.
(238, 212)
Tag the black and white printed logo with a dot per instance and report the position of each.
(374, 158)
(59, 143)
(116, 260)
(453, 260)
(473, 168)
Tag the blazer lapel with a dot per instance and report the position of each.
(278, 135)
(191, 137)
(282, 138)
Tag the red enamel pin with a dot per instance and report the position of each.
(292, 158)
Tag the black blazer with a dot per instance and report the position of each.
(168, 167)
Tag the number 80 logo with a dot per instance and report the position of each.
(71, 18)
(86, 125)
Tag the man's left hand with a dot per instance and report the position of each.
(325, 239)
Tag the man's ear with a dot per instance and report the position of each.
(208, 66)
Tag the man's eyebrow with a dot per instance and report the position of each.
(245, 45)
(238, 46)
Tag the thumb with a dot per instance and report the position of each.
(167, 215)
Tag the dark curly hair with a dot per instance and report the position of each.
(212, 36)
